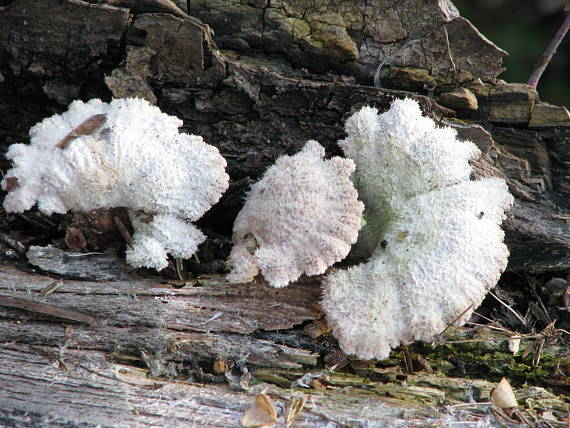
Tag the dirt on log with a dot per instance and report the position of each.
(257, 79)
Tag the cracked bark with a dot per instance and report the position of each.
(289, 72)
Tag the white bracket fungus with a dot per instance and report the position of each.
(301, 217)
(123, 154)
(433, 236)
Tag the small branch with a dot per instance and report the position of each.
(448, 46)
(42, 308)
(549, 52)
(515, 313)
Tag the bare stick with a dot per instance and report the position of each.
(42, 308)
(123, 231)
(449, 49)
(515, 313)
(549, 53)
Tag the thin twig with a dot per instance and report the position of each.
(123, 230)
(515, 313)
(492, 327)
(51, 287)
(532, 284)
(448, 46)
(549, 53)
(376, 81)
(94, 253)
(42, 308)
(181, 269)
(455, 320)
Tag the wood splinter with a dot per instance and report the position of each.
(42, 308)
(85, 128)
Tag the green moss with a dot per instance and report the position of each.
(491, 359)
(272, 376)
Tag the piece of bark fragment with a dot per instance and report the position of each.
(74, 239)
(459, 99)
(93, 266)
(85, 128)
(546, 115)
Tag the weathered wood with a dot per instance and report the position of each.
(71, 386)
(205, 318)
(95, 266)
(255, 109)
(354, 37)
(87, 390)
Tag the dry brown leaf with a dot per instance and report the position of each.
(85, 128)
(220, 366)
(75, 239)
(262, 413)
(317, 328)
(294, 407)
(503, 395)
(10, 183)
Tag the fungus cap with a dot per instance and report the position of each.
(301, 217)
(433, 236)
(126, 153)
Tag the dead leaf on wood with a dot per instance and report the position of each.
(75, 239)
(503, 395)
(514, 344)
(262, 413)
(10, 183)
(294, 407)
(220, 366)
(85, 128)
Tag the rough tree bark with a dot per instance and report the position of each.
(137, 352)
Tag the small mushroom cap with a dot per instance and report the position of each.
(301, 217)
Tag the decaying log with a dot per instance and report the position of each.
(256, 108)
(138, 352)
(147, 314)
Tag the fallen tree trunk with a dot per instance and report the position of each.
(148, 353)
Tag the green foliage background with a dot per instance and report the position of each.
(524, 28)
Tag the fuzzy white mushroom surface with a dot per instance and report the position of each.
(301, 217)
(433, 235)
(126, 153)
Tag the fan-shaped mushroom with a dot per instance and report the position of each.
(126, 153)
(433, 236)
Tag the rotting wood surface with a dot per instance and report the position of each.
(143, 353)
(205, 318)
